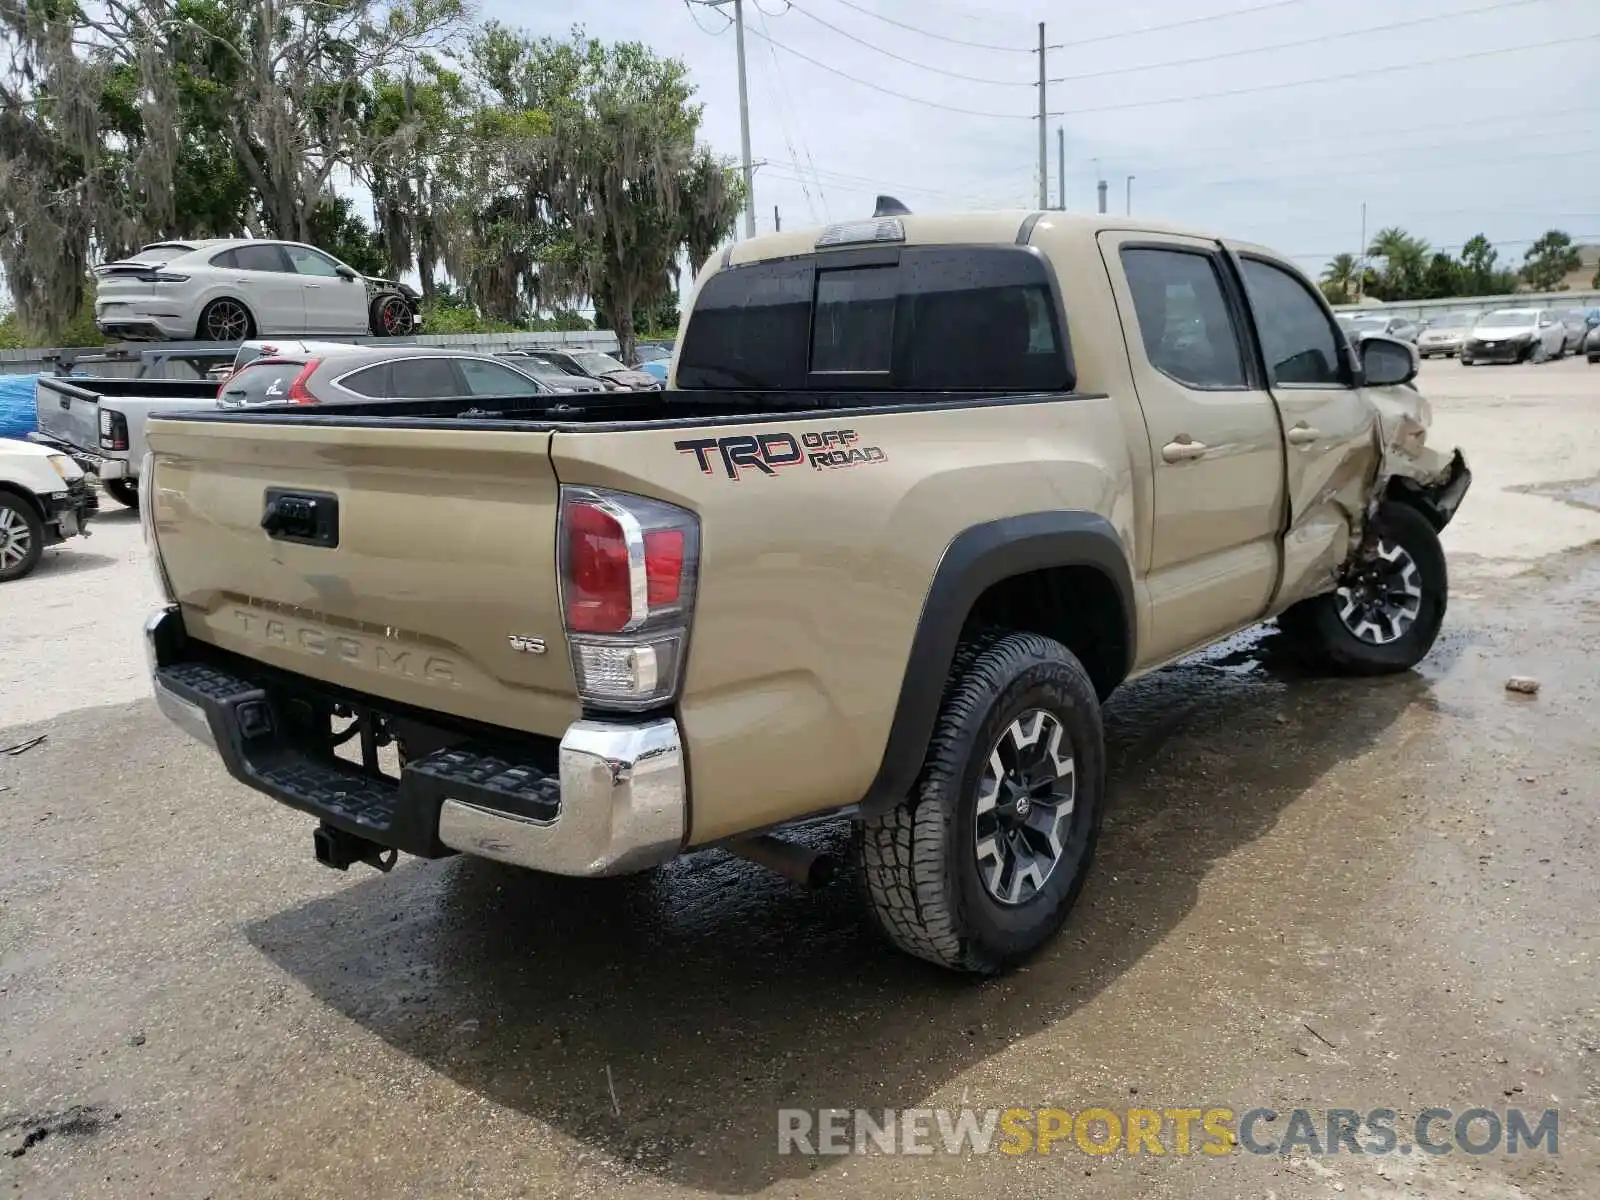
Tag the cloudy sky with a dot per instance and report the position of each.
(1272, 120)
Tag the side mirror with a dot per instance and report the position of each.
(1387, 361)
(345, 272)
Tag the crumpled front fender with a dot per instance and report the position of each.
(1433, 480)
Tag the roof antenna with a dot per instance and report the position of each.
(888, 206)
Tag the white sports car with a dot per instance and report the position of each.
(229, 289)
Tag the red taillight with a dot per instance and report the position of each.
(663, 566)
(628, 567)
(599, 579)
(297, 390)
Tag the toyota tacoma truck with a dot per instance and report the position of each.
(923, 492)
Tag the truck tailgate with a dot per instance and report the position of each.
(70, 413)
(443, 553)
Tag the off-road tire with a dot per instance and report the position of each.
(1321, 638)
(16, 509)
(918, 862)
(124, 491)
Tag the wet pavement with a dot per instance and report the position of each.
(1309, 893)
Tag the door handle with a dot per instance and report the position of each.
(1183, 449)
(1302, 435)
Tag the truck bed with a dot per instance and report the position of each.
(68, 409)
(732, 406)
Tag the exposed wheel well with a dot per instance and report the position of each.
(1078, 606)
(27, 497)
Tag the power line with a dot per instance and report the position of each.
(713, 32)
(862, 181)
(878, 87)
(1348, 172)
(1360, 164)
(1310, 41)
(1361, 74)
(939, 37)
(1207, 155)
(781, 105)
(1187, 21)
(845, 33)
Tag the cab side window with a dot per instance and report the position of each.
(1297, 339)
(1188, 333)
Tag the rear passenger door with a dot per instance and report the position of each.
(424, 379)
(266, 282)
(1328, 427)
(1214, 434)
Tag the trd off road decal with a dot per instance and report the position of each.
(822, 450)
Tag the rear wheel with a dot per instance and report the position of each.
(391, 316)
(979, 866)
(1388, 609)
(225, 320)
(124, 491)
(21, 537)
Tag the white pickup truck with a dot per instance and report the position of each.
(99, 423)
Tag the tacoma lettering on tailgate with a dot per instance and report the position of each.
(361, 652)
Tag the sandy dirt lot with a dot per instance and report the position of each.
(1309, 894)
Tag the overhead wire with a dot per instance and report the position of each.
(690, 6)
(780, 105)
(922, 66)
(878, 87)
(939, 37)
(1309, 41)
(1340, 78)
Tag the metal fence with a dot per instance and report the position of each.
(1421, 309)
(29, 362)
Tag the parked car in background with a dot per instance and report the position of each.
(1513, 335)
(1575, 323)
(1403, 328)
(44, 499)
(557, 378)
(232, 289)
(654, 359)
(596, 364)
(1444, 334)
(342, 373)
(1591, 344)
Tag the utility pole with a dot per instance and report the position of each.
(744, 124)
(777, 221)
(1044, 165)
(1061, 168)
(1128, 202)
(1100, 185)
(1361, 254)
(744, 113)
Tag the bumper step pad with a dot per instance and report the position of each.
(403, 815)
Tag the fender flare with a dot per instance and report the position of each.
(975, 560)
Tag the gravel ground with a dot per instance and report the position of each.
(1309, 893)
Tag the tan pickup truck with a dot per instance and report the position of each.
(922, 493)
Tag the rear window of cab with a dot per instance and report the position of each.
(915, 318)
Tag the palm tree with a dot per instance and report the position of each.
(1340, 276)
(1405, 262)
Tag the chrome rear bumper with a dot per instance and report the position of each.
(618, 803)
